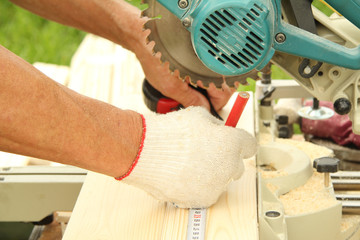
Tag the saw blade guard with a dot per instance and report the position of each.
(231, 37)
(244, 40)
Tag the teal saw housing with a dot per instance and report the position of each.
(234, 37)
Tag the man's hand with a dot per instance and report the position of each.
(122, 23)
(170, 84)
(188, 157)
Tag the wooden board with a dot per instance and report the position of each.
(108, 209)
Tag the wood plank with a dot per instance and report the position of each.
(56, 72)
(12, 160)
(92, 68)
(128, 75)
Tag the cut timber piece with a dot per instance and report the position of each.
(92, 68)
(12, 160)
(108, 209)
(58, 73)
(128, 75)
(103, 70)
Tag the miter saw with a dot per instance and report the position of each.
(231, 40)
(207, 40)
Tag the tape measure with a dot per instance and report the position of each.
(196, 224)
(197, 216)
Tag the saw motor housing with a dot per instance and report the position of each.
(233, 37)
(230, 37)
(254, 32)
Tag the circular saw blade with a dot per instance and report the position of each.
(173, 41)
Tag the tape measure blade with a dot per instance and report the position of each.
(196, 224)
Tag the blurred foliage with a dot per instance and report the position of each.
(36, 39)
(276, 73)
(322, 5)
(138, 4)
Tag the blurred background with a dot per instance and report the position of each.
(36, 39)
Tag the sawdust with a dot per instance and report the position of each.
(310, 197)
(269, 171)
(272, 187)
(273, 174)
(349, 221)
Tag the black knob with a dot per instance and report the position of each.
(282, 119)
(342, 106)
(284, 132)
(326, 164)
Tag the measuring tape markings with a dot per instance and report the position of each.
(196, 224)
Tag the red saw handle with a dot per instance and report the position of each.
(237, 109)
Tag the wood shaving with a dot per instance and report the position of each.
(273, 174)
(312, 196)
(272, 187)
(348, 221)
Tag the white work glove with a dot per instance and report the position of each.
(188, 157)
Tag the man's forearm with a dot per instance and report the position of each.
(121, 23)
(43, 119)
(115, 20)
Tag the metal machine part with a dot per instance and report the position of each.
(331, 82)
(173, 41)
(279, 89)
(284, 129)
(204, 48)
(346, 154)
(274, 223)
(205, 45)
(326, 165)
(234, 37)
(347, 186)
(29, 194)
(316, 113)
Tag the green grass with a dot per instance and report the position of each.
(322, 6)
(36, 39)
(138, 4)
(276, 73)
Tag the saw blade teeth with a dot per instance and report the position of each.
(185, 61)
(192, 82)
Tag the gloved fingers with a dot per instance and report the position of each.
(247, 142)
(204, 114)
(238, 170)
